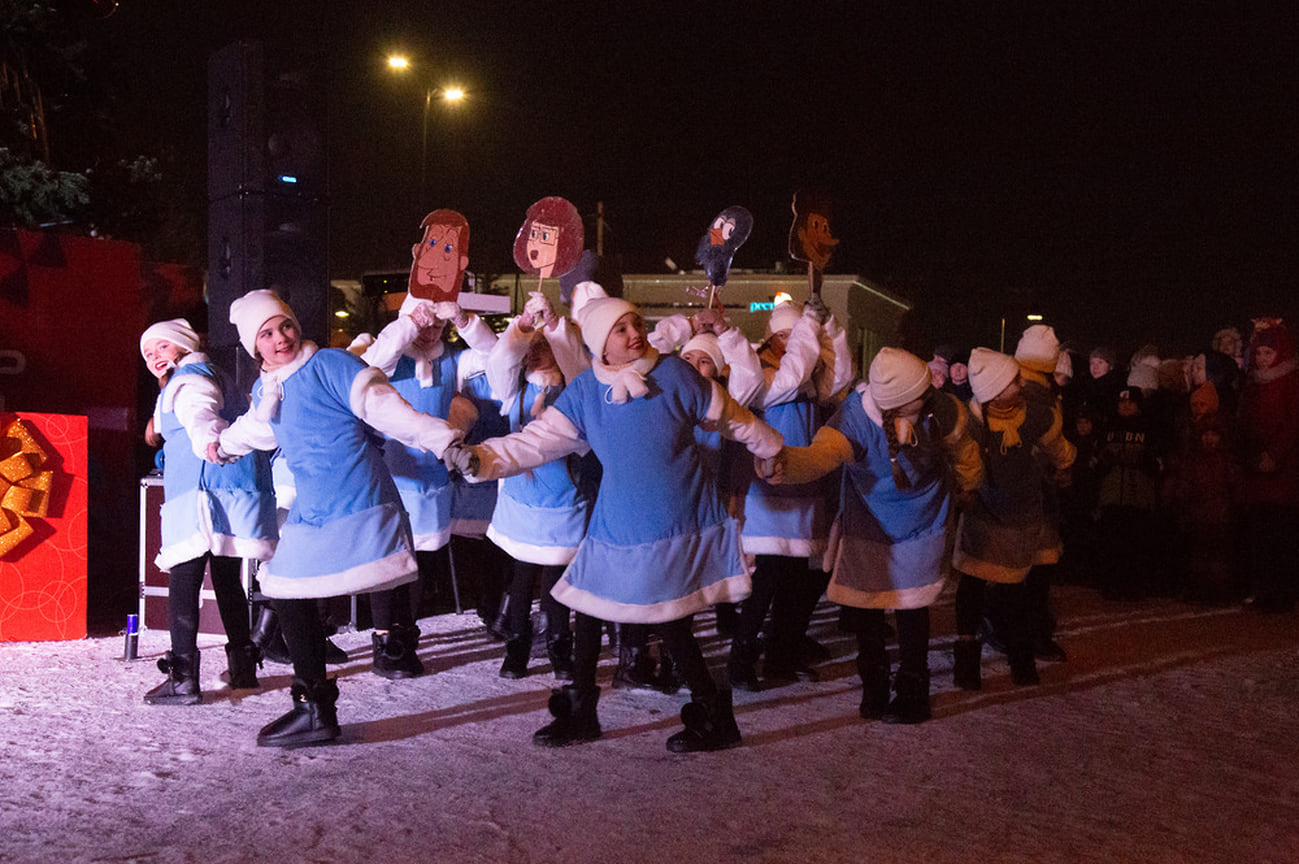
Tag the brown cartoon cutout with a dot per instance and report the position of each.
(439, 259)
(809, 237)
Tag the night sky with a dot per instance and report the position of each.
(1126, 168)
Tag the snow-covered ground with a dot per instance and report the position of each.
(1171, 734)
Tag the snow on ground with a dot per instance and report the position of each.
(1170, 735)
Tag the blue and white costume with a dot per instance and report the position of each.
(794, 520)
(889, 544)
(428, 381)
(660, 545)
(541, 514)
(227, 510)
(472, 504)
(347, 531)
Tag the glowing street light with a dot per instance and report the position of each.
(451, 93)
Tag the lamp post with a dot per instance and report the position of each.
(449, 93)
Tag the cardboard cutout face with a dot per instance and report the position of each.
(809, 237)
(549, 242)
(439, 260)
(726, 233)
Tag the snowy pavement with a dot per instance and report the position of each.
(1170, 735)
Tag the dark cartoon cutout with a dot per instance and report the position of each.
(726, 233)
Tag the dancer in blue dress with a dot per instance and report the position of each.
(213, 515)
(906, 453)
(541, 514)
(347, 532)
(660, 546)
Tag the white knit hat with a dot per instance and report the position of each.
(990, 373)
(177, 331)
(583, 293)
(784, 317)
(1038, 349)
(249, 312)
(897, 377)
(707, 343)
(597, 319)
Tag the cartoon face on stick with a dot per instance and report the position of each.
(726, 233)
(809, 237)
(439, 259)
(549, 242)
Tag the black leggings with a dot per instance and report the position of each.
(913, 637)
(186, 581)
(391, 608)
(305, 637)
(781, 585)
(677, 636)
(1013, 607)
(518, 611)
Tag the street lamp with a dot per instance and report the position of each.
(450, 93)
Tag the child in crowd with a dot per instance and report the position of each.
(786, 527)
(347, 531)
(1127, 498)
(1004, 530)
(905, 452)
(660, 546)
(418, 363)
(1203, 492)
(1269, 432)
(213, 515)
(541, 514)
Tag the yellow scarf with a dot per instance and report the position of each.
(1006, 421)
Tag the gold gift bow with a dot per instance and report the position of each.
(24, 484)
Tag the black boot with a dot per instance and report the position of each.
(740, 667)
(499, 627)
(267, 636)
(635, 669)
(312, 720)
(728, 618)
(874, 687)
(334, 655)
(1023, 666)
(394, 653)
(710, 725)
(181, 686)
(967, 672)
(911, 704)
(243, 661)
(560, 651)
(575, 718)
(517, 651)
(669, 673)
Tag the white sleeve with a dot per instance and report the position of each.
(197, 401)
(843, 369)
(671, 333)
(545, 439)
(246, 434)
(377, 403)
(738, 423)
(505, 360)
(566, 344)
(745, 379)
(390, 344)
(801, 352)
(477, 335)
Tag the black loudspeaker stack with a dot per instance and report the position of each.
(268, 214)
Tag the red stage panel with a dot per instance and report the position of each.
(43, 565)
